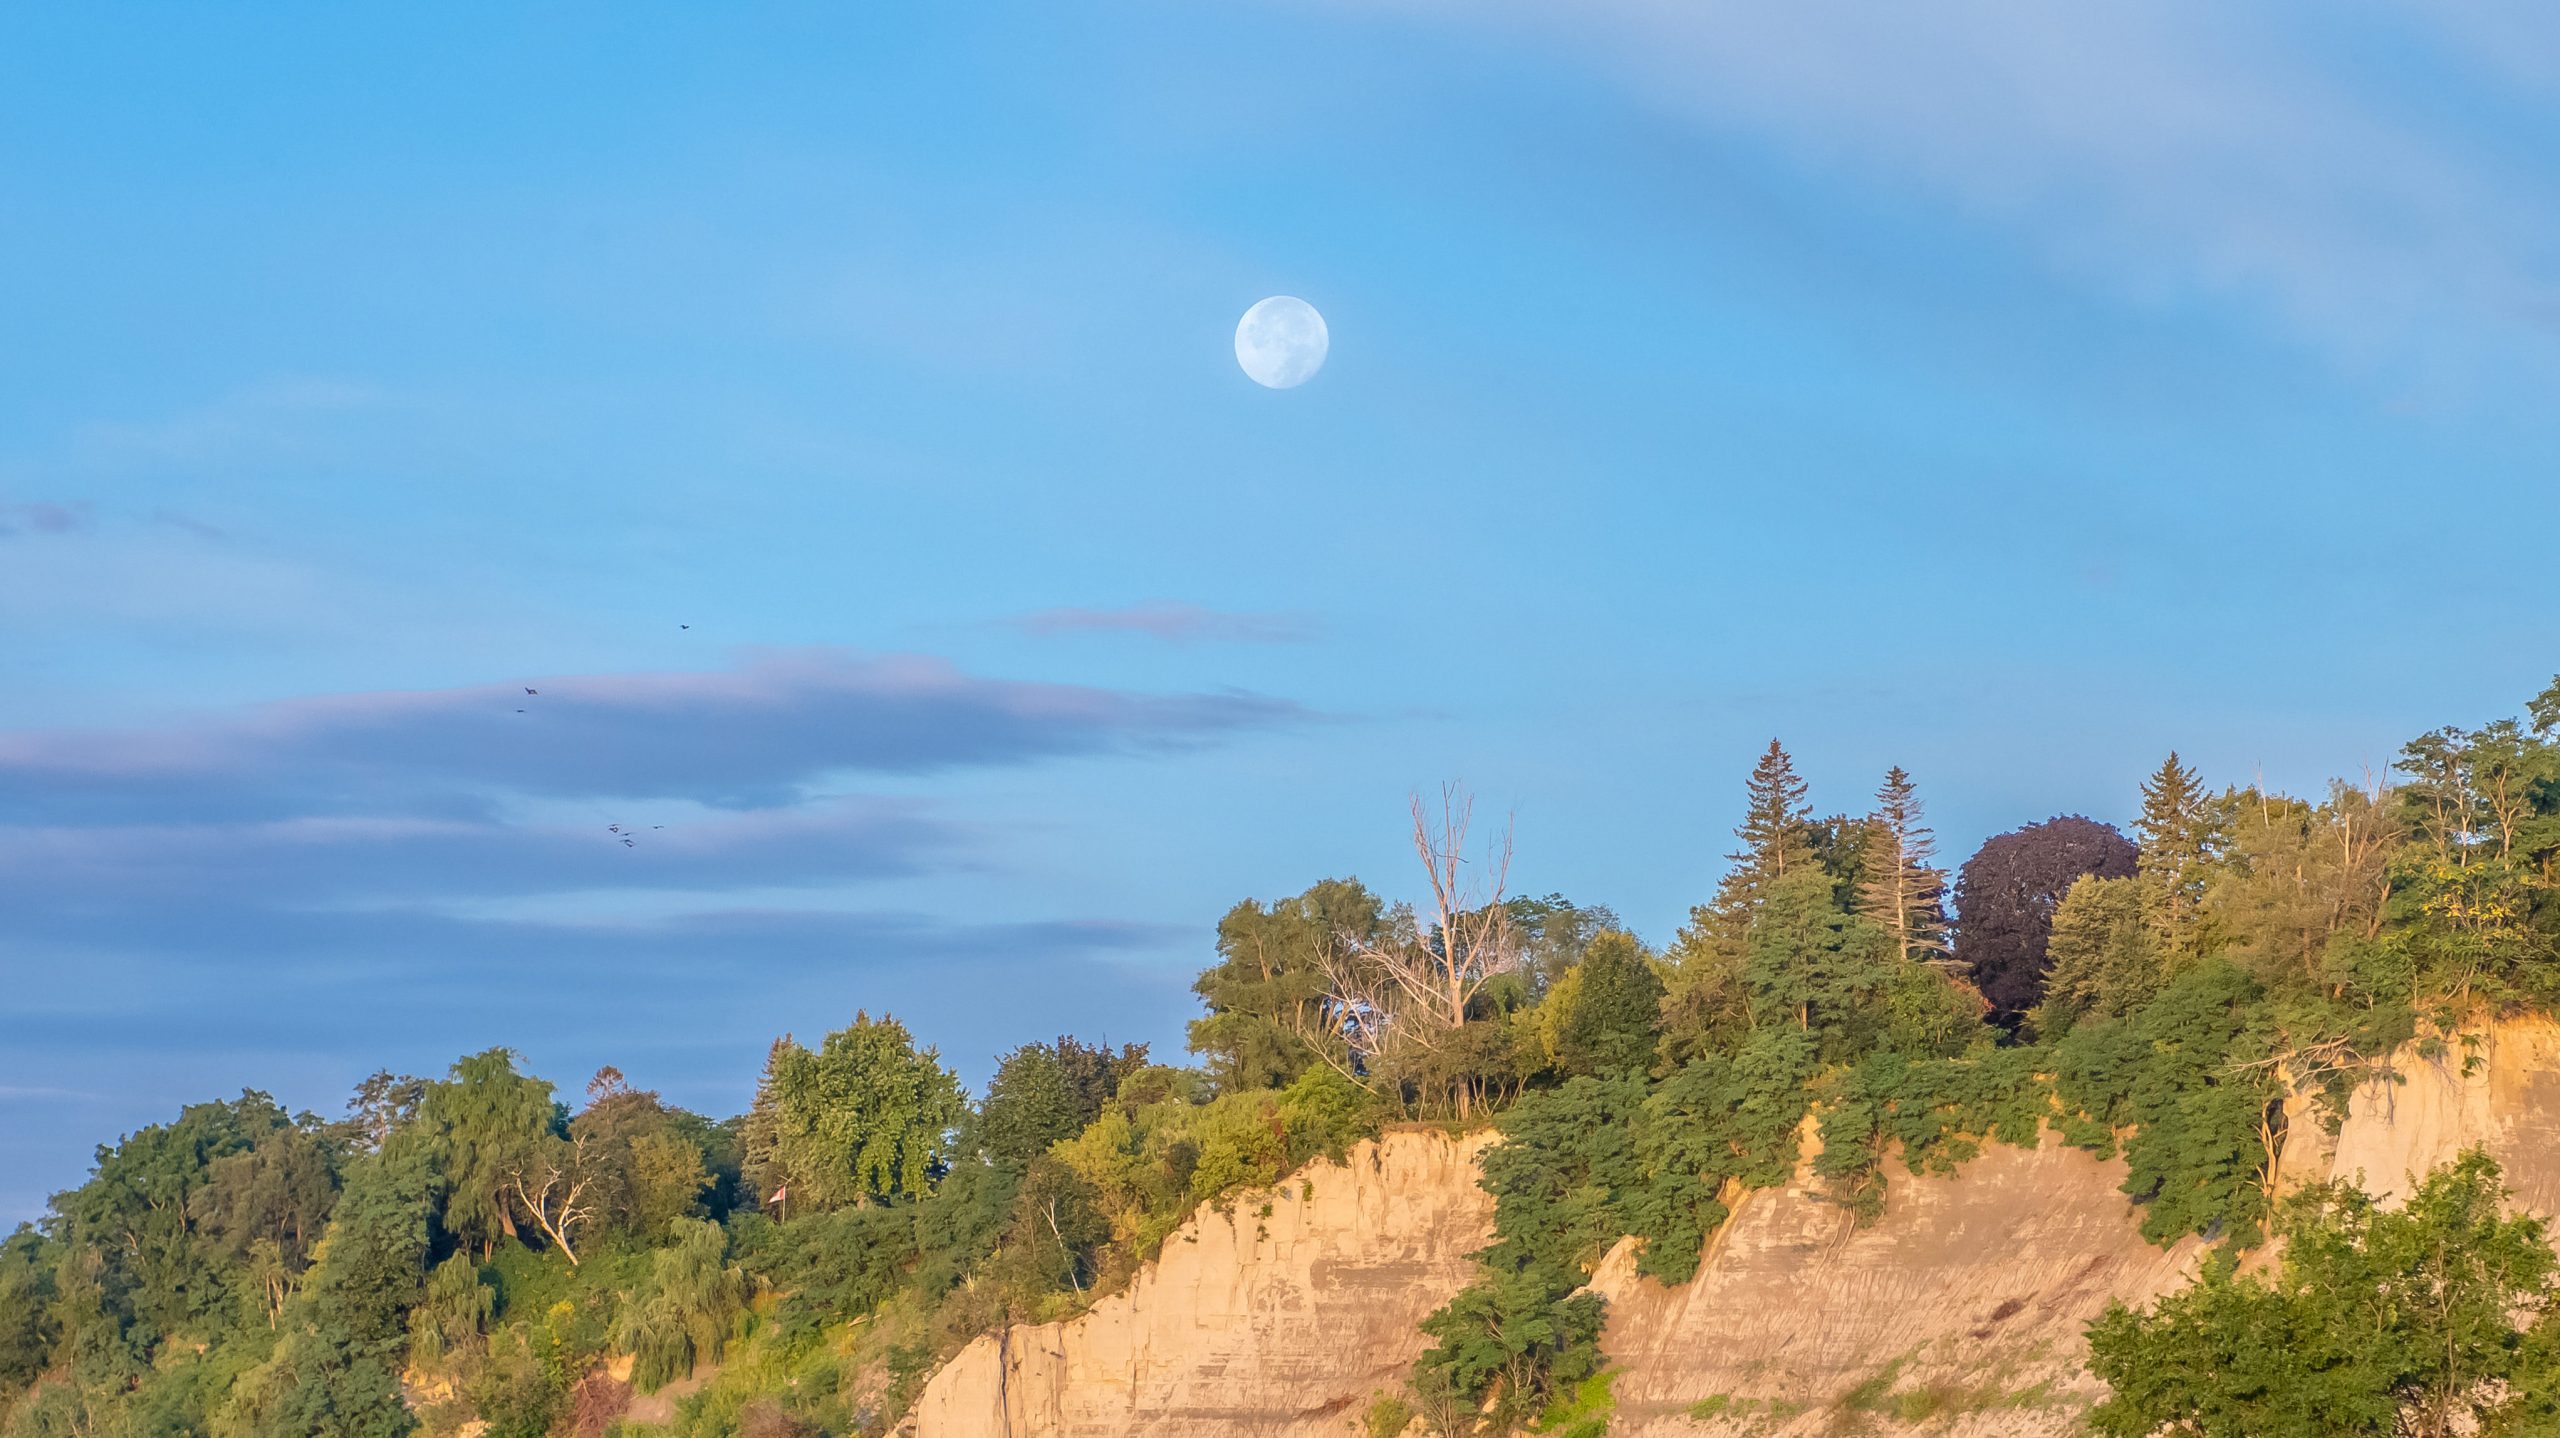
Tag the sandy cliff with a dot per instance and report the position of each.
(1958, 1313)
(1276, 1318)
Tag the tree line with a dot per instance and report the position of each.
(473, 1247)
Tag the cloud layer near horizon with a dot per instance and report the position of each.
(634, 868)
(755, 735)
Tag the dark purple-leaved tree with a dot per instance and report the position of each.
(2006, 895)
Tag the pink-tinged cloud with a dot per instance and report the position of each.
(1172, 622)
(754, 735)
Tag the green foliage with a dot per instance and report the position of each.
(1560, 1178)
(2430, 1320)
(2109, 956)
(1712, 1123)
(1554, 934)
(1387, 1416)
(645, 1164)
(2179, 834)
(1148, 1166)
(480, 1127)
(27, 1330)
(1043, 1093)
(2188, 1074)
(1604, 1015)
(1937, 1111)
(1811, 964)
(681, 1315)
(452, 1318)
(1507, 1341)
(335, 1373)
(1582, 1412)
(141, 1216)
(1265, 994)
(867, 1118)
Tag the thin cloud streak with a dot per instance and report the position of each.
(32, 517)
(755, 735)
(1173, 622)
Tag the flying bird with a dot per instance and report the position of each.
(529, 689)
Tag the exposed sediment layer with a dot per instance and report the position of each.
(1958, 1313)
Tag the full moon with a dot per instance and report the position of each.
(1281, 342)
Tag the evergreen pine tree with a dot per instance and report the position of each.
(2175, 834)
(759, 1137)
(1903, 892)
(1776, 822)
(1777, 834)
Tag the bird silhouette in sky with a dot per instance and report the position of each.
(529, 689)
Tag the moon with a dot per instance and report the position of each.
(1281, 342)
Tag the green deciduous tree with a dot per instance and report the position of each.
(867, 1118)
(2189, 1075)
(482, 1126)
(1042, 1093)
(1266, 995)
(336, 1372)
(1604, 1015)
(2418, 1320)
(643, 1160)
(681, 1314)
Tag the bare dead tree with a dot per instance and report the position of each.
(555, 1196)
(1416, 989)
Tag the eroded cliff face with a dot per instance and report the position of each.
(1969, 1294)
(1277, 1318)
(1959, 1313)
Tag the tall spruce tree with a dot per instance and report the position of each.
(1777, 834)
(1903, 891)
(2175, 835)
(759, 1134)
(1776, 819)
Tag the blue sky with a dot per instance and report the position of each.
(2011, 396)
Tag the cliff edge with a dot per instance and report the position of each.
(1959, 1312)
(1278, 1315)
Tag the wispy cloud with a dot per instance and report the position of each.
(20, 517)
(1173, 622)
(30, 1093)
(653, 869)
(751, 735)
(2165, 150)
(79, 871)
